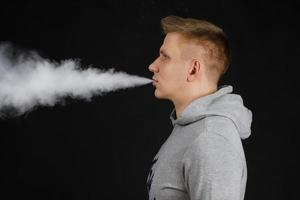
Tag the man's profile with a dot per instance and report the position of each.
(203, 158)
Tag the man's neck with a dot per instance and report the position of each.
(180, 105)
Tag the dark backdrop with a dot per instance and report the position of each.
(103, 149)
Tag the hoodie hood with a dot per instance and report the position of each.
(222, 103)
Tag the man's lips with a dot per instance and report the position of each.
(154, 81)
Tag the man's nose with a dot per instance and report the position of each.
(153, 67)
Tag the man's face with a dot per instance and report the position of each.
(169, 68)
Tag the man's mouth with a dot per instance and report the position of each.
(154, 82)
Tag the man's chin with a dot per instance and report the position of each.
(159, 95)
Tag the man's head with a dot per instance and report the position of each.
(195, 54)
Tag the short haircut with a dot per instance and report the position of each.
(206, 34)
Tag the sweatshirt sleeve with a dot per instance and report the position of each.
(212, 169)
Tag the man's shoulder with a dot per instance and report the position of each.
(214, 123)
(219, 128)
(221, 125)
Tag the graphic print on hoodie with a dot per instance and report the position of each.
(203, 157)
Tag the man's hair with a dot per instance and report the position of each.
(209, 36)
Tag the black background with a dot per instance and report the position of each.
(103, 149)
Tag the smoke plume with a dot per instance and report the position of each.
(28, 80)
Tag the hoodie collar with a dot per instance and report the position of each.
(222, 103)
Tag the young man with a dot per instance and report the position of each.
(203, 158)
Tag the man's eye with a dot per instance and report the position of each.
(164, 56)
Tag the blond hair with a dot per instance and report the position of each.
(206, 34)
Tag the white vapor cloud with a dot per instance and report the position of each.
(28, 80)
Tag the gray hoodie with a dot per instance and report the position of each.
(203, 158)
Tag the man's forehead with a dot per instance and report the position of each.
(163, 49)
(175, 42)
(171, 42)
(174, 36)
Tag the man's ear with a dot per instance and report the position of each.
(194, 70)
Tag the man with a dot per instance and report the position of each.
(203, 158)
